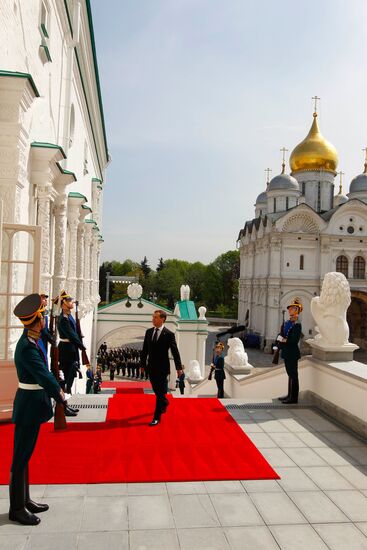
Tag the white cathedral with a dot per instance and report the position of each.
(302, 230)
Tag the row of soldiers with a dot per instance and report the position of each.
(126, 360)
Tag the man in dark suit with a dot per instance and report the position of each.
(154, 359)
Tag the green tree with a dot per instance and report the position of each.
(161, 265)
(145, 267)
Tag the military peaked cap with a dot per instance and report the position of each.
(29, 309)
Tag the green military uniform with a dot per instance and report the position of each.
(32, 407)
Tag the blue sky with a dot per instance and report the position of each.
(200, 95)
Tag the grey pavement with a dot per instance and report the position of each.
(319, 502)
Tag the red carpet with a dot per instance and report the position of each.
(197, 440)
(133, 387)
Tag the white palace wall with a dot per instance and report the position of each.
(53, 155)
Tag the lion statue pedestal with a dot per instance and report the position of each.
(329, 310)
(237, 361)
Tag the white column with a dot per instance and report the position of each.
(94, 260)
(59, 275)
(87, 265)
(73, 223)
(44, 195)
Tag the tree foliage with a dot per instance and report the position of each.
(214, 285)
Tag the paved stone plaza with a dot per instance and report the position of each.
(320, 502)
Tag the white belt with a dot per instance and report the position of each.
(24, 386)
(64, 340)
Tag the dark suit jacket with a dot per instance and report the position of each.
(290, 349)
(154, 357)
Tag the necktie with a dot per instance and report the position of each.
(155, 336)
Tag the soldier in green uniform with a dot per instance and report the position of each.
(32, 407)
(70, 343)
(292, 331)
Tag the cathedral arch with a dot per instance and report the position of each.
(301, 222)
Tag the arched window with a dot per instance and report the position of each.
(342, 265)
(301, 262)
(275, 204)
(359, 268)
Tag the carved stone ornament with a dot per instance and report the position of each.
(194, 373)
(300, 223)
(330, 313)
(185, 292)
(134, 291)
(237, 359)
(202, 312)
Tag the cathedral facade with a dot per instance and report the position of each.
(53, 156)
(301, 230)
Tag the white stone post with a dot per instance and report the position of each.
(73, 223)
(87, 265)
(59, 275)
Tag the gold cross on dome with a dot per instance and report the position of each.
(316, 99)
(365, 160)
(341, 174)
(268, 172)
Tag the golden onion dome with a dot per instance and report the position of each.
(314, 152)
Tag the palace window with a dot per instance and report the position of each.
(287, 203)
(44, 28)
(342, 265)
(301, 262)
(359, 268)
(275, 204)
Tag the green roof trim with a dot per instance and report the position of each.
(66, 172)
(45, 145)
(44, 30)
(187, 310)
(91, 31)
(86, 207)
(97, 180)
(157, 306)
(47, 52)
(22, 75)
(75, 195)
(99, 187)
(90, 21)
(91, 221)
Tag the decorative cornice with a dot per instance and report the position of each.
(67, 173)
(15, 74)
(48, 146)
(75, 195)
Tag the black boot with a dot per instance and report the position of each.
(289, 392)
(18, 511)
(293, 398)
(32, 506)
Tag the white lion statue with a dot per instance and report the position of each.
(237, 357)
(134, 291)
(185, 292)
(194, 373)
(330, 310)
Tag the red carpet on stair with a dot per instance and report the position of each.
(122, 387)
(197, 440)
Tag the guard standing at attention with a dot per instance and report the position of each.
(69, 343)
(32, 407)
(217, 367)
(292, 332)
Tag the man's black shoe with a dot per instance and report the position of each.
(73, 408)
(69, 412)
(24, 517)
(36, 507)
(282, 398)
(290, 401)
(154, 422)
